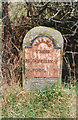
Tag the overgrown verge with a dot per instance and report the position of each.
(54, 102)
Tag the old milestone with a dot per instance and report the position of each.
(42, 58)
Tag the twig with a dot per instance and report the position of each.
(15, 46)
(71, 52)
(40, 6)
(55, 15)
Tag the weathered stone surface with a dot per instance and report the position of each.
(52, 33)
(36, 79)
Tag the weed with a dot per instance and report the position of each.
(53, 102)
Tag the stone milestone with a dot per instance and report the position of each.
(42, 58)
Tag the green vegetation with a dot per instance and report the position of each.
(54, 102)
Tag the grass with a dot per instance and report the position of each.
(54, 102)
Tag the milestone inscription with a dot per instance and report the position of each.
(42, 59)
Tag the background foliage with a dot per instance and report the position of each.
(19, 18)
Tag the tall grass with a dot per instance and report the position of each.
(54, 102)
